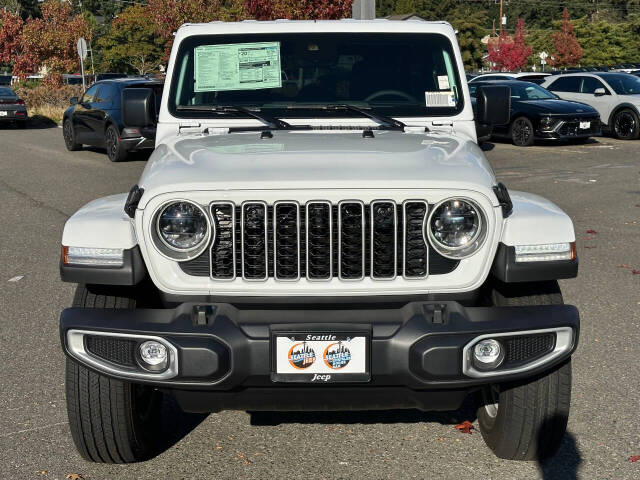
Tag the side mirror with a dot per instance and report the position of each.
(138, 107)
(598, 92)
(493, 104)
(73, 101)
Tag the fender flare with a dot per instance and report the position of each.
(620, 107)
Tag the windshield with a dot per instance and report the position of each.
(297, 75)
(529, 91)
(622, 83)
(6, 92)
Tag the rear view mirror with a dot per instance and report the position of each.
(598, 92)
(493, 104)
(138, 107)
(73, 101)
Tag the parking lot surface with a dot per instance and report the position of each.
(598, 184)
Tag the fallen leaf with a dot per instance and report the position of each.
(43, 472)
(591, 231)
(638, 205)
(590, 246)
(218, 447)
(465, 427)
(75, 476)
(635, 272)
(634, 458)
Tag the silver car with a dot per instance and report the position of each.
(615, 95)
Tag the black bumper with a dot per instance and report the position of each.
(415, 351)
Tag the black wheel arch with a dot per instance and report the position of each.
(621, 107)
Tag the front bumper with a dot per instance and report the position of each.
(567, 129)
(222, 355)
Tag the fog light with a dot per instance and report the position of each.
(487, 354)
(153, 355)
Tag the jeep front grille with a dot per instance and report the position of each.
(319, 241)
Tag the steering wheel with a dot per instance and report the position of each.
(397, 93)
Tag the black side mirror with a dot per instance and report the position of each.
(138, 107)
(493, 104)
(73, 101)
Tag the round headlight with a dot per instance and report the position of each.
(182, 226)
(456, 228)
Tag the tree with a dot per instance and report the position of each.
(568, 51)
(510, 52)
(131, 46)
(10, 31)
(49, 42)
(168, 15)
(470, 27)
(298, 9)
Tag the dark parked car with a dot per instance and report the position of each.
(96, 119)
(537, 113)
(12, 108)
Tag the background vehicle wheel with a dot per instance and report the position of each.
(70, 136)
(527, 419)
(521, 132)
(115, 150)
(625, 124)
(111, 421)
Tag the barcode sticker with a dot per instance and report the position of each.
(440, 99)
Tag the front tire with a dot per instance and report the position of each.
(522, 132)
(625, 124)
(70, 136)
(526, 419)
(113, 144)
(111, 421)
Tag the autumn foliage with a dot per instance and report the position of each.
(10, 30)
(510, 52)
(298, 9)
(568, 51)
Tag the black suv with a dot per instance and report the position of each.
(96, 119)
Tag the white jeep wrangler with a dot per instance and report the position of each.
(317, 229)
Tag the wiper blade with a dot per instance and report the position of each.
(270, 122)
(383, 120)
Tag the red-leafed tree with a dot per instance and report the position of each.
(10, 30)
(568, 51)
(50, 42)
(510, 52)
(298, 9)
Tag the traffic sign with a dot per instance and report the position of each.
(82, 48)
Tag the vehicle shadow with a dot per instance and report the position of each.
(565, 464)
(176, 424)
(141, 156)
(466, 412)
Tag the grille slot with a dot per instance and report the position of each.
(223, 250)
(416, 254)
(384, 239)
(351, 240)
(255, 239)
(286, 241)
(318, 241)
(116, 350)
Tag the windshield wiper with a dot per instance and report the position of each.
(387, 123)
(270, 122)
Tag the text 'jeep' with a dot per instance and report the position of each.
(317, 229)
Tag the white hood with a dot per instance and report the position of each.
(319, 159)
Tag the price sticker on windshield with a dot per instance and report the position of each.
(440, 99)
(237, 66)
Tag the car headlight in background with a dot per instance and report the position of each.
(182, 229)
(456, 228)
(547, 123)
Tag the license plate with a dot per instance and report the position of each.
(585, 125)
(3, 113)
(320, 357)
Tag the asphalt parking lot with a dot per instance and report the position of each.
(598, 184)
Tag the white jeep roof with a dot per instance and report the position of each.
(307, 26)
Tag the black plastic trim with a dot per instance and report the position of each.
(130, 206)
(506, 269)
(502, 194)
(409, 346)
(132, 272)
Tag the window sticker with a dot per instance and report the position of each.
(443, 82)
(237, 66)
(440, 99)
